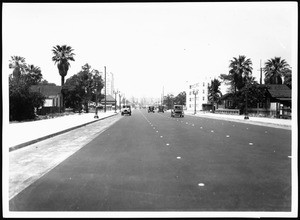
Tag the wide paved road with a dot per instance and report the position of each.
(152, 162)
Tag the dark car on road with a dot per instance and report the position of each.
(126, 109)
(160, 109)
(151, 109)
(177, 110)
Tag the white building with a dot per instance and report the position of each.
(200, 88)
(110, 84)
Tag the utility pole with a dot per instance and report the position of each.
(260, 80)
(105, 89)
(195, 92)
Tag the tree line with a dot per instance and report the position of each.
(243, 85)
(77, 91)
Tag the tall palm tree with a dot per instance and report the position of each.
(214, 92)
(62, 55)
(18, 64)
(240, 72)
(274, 69)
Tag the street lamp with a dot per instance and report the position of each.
(246, 110)
(120, 101)
(96, 106)
(116, 92)
(195, 92)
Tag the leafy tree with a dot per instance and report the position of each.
(22, 101)
(256, 93)
(274, 69)
(169, 101)
(45, 82)
(82, 88)
(240, 72)
(287, 74)
(214, 93)
(180, 99)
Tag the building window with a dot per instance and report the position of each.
(203, 98)
(203, 91)
(190, 106)
(203, 84)
(190, 86)
(190, 99)
(190, 93)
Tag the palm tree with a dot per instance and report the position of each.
(18, 64)
(214, 93)
(62, 56)
(34, 75)
(274, 69)
(240, 72)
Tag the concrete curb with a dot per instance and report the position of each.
(55, 134)
(287, 127)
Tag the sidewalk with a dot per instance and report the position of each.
(270, 122)
(22, 134)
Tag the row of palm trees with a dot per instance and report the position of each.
(240, 76)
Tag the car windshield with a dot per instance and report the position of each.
(178, 107)
(126, 106)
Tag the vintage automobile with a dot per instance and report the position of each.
(177, 110)
(160, 109)
(151, 109)
(126, 109)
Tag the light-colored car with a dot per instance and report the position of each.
(126, 109)
(177, 110)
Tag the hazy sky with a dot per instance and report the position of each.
(149, 45)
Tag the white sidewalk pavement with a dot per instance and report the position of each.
(271, 122)
(24, 133)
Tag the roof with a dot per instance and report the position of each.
(109, 98)
(46, 90)
(279, 91)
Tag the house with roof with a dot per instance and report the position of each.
(53, 101)
(278, 103)
(280, 99)
(110, 103)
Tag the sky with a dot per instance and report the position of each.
(150, 47)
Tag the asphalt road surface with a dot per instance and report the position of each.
(152, 162)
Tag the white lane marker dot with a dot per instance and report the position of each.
(201, 127)
(250, 143)
(161, 136)
(266, 132)
(186, 123)
(227, 136)
(156, 131)
(153, 127)
(247, 128)
(167, 144)
(212, 131)
(192, 124)
(178, 158)
(201, 184)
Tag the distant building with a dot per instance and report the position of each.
(53, 100)
(201, 87)
(110, 83)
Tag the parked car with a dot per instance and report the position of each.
(177, 110)
(126, 109)
(160, 109)
(151, 109)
